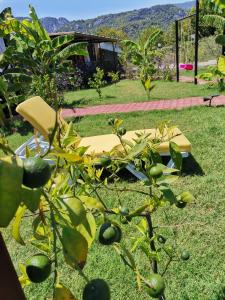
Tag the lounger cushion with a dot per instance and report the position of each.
(39, 114)
(105, 143)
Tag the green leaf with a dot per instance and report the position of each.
(138, 211)
(75, 247)
(37, 25)
(31, 198)
(176, 155)
(89, 235)
(74, 49)
(155, 156)
(168, 194)
(3, 85)
(220, 39)
(11, 175)
(92, 203)
(62, 40)
(137, 149)
(16, 225)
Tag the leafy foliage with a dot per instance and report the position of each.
(144, 56)
(97, 82)
(66, 215)
(114, 76)
(32, 57)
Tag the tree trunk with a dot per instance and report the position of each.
(10, 288)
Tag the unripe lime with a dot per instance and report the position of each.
(161, 239)
(124, 211)
(181, 204)
(38, 268)
(105, 161)
(121, 131)
(156, 286)
(96, 289)
(156, 171)
(37, 172)
(108, 234)
(185, 255)
(186, 197)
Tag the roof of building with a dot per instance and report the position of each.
(85, 37)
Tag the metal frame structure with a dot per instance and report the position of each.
(196, 15)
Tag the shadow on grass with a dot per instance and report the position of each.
(16, 125)
(109, 97)
(191, 167)
(75, 103)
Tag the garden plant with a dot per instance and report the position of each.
(32, 59)
(67, 212)
(145, 58)
(97, 82)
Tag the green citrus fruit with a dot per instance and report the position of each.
(186, 197)
(38, 268)
(37, 172)
(96, 289)
(161, 239)
(156, 171)
(105, 161)
(185, 255)
(181, 204)
(126, 219)
(124, 211)
(108, 234)
(111, 121)
(121, 131)
(156, 286)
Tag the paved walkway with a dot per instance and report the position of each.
(140, 106)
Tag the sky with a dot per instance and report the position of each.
(78, 9)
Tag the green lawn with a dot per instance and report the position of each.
(132, 91)
(200, 226)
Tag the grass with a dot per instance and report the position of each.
(132, 91)
(200, 226)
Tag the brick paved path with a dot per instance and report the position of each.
(140, 106)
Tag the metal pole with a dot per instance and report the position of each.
(196, 41)
(177, 50)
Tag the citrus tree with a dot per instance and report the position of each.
(97, 82)
(33, 59)
(145, 57)
(68, 213)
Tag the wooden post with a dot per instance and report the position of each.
(114, 57)
(177, 50)
(196, 41)
(223, 47)
(10, 288)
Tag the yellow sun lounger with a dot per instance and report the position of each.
(42, 117)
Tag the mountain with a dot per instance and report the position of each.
(51, 24)
(186, 5)
(131, 21)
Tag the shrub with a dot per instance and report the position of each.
(114, 76)
(97, 82)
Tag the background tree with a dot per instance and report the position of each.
(111, 32)
(34, 56)
(145, 57)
